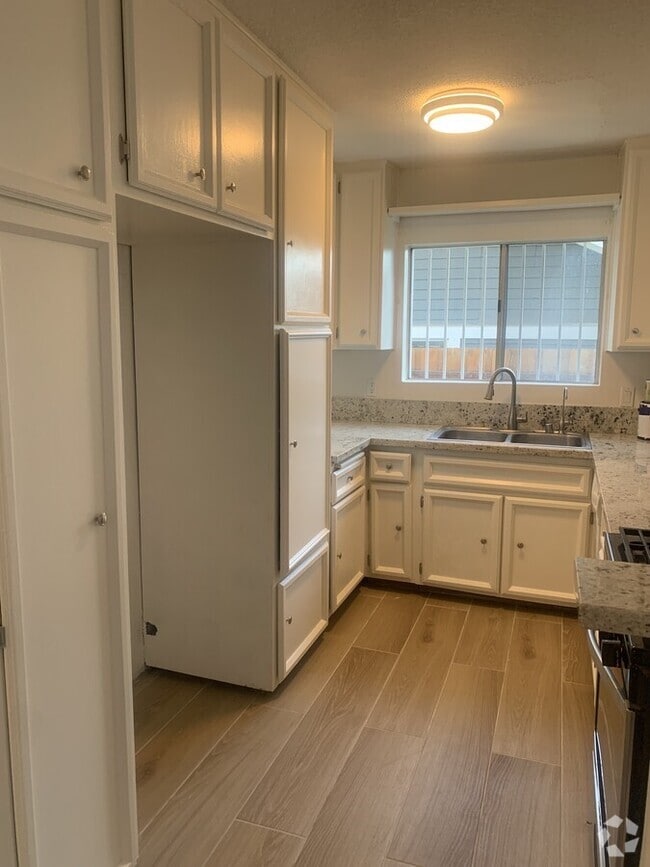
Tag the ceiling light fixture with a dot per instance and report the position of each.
(461, 111)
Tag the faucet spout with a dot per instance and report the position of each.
(489, 394)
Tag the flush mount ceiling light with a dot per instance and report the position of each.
(460, 111)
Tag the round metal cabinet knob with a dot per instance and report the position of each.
(294, 444)
(350, 478)
(339, 556)
(636, 331)
(520, 545)
(101, 520)
(200, 174)
(289, 620)
(363, 332)
(84, 173)
(398, 527)
(389, 467)
(231, 188)
(483, 541)
(289, 243)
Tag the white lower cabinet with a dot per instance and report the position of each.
(461, 539)
(348, 546)
(541, 539)
(303, 608)
(390, 530)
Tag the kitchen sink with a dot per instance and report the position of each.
(533, 438)
(530, 438)
(471, 434)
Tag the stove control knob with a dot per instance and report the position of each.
(610, 650)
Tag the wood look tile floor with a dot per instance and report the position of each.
(421, 730)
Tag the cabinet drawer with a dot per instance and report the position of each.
(303, 608)
(557, 480)
(390, 467)
(351, 476)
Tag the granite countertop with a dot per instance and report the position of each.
(348, 438)
(612, 596)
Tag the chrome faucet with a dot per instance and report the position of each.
(562, 425)
(489, 394)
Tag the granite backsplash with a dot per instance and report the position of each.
(581, 419)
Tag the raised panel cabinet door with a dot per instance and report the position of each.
(348, 546)
(53, 107)
(390, 530)
(67, 672)
(247, 129)
(632, 297)
(541, 539)
(462, 539)
(359, 258)
(304, 442)
(305, 190)
(302, 608)
(169, 62)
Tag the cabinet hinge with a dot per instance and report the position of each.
(368, 494)
(338, 187)
(3, 636)
(336, 332)
(420, 569)
(368, 559)
(422, 501)
(591, 516)
(125, 149)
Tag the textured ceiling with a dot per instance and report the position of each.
(574, 74)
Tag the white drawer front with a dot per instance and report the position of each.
(303, 608)
(351, 476)
(390, 467)
(563, 480)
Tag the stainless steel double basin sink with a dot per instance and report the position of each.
(529, 438)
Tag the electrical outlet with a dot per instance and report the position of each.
(626, 396)
(370, 388)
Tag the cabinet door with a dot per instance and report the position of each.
(305, 190)
(390, 530)
(541, 539)
(53, 148)
(68, 673)
(247, 129)
(304, 442)
(169, 57)
(632, 317)
(462, 539)
(348, 546)
(365, 260)
(302, 608)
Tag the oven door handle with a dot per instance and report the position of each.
(603, 670)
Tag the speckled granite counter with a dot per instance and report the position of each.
(348, 438)
(612, 596)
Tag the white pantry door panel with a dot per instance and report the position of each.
(7, 835)
(71, 764)
(246, 143)
(462, 539)
(51, 104)
(169, 62)
(305, 441)
(305, 213)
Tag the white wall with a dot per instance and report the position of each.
(362, 372)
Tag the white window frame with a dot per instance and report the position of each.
(512, 223)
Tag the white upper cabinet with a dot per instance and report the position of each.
(365, 250)
(246, 129)
(53, 149)
(631, 325)
(305, 197)
(170, 59)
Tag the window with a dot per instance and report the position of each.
(532, 307)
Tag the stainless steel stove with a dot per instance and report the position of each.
(622, 726)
